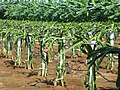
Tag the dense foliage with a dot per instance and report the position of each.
(69, 30)
(63, 11)
(77, 32)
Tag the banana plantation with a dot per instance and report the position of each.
(60, 45)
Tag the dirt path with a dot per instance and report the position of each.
(21, 79)
(12, 78)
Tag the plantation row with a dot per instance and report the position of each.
(62, 11)
(66, 36)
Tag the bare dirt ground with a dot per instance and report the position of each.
(18, 78)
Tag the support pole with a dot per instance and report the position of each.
(19, 52)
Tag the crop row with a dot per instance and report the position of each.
(83, 36)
